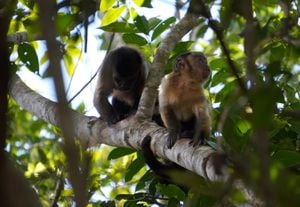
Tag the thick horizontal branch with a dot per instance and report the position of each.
(127, 133)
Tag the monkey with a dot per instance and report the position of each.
(122, 76)
(182, 103)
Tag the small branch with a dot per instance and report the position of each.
(59, 188)
(94, 76)
(78, 181)
(214, 25)
(20, 37)
(291, 113)
(232, 66)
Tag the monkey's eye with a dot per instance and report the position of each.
(117, 80)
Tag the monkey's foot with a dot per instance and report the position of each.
(187, 134)
(172, 138)
(198, 142)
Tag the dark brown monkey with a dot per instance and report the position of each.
(122, 76)
(182, 103)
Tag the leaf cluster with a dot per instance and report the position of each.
(258, 129)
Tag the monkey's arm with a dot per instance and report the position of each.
(202, 125)
(104, 108)
(172, 123)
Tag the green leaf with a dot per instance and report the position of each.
(112, 15)
(134, 168)
(136, 196)
(204, 201)
(148, 176)
(64, 23)
(153, 22)
(70, 66)
(44, 58)
(147, 3)
(287, 157)
(162, 27)
(277, 53)
(121, 27)
(173, 202)
(119, 152)
(142, 24)
(132, 38)
(202, 30)
(226, 12)
(227, 89)
(181, 47)
(28, 3)
(81, 107)
(243, 126)
(217, 63)
(133, 13)
(139, 2)
(67, 193)
(32, 24)
(107, 204)
(172, 191)
(29, 57)
(106, 4)
(219, 78)
(295, 126)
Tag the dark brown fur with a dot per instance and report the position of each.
(182, 103)
(122, 75)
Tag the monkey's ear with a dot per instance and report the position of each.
(179, 64)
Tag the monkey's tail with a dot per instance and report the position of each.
(160, 169)
(149, 156)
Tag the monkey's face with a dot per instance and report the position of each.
(193, 64)
(124, 83)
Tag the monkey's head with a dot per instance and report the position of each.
(128, 68)
(194, 65)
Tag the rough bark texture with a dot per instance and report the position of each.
(127, 133)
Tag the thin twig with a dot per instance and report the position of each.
(95, 74)
(59, 188)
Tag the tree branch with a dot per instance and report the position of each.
(77, 179)
(12, 180)
(126, 133)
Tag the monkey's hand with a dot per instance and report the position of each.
(200, 139)
(114, 118)
(172, 138)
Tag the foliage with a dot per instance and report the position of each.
(258, 129)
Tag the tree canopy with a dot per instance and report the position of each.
(253, 50)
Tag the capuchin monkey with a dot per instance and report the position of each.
(182, 103)
(122, 76)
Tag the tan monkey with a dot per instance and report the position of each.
(182, 103)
